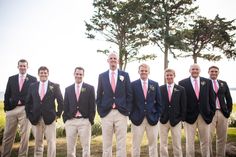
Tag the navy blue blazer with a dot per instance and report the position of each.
(206, 103)
(85, 105)
(150, 107)
(106, 97)
(175, 110)
(35, 108)
(13, 95)
(225, 98)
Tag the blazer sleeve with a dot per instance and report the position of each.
(128, 93)
(7, 96)
(66, 114)
(59, 99)
(228, 98)
(99, 91)
(159, 105)
(29, 101)
(92, 108)
(183, 104)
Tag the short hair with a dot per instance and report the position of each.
(43, 68)
(170, 70)
(144, 65)
(79, 68)
(194, 65)
(22, 61)
(213, 66)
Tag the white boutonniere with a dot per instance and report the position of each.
(175, 90)
(121, 78)
(203, 83)
(152, 88)
(83, 90)
(222, 84)
(26, 79)
(51, 88)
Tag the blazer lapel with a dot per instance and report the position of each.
(107, 80)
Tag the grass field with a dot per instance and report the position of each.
(96, 143)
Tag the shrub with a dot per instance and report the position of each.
(232, 120)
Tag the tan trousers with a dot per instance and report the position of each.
(75, 127)
(204, 137)
(14, 118)
(50, 134)
(219, 126)
(116, 123)
(176, 139)
(152, 135)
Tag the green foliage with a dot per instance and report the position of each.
(206, 35)
(164, 18)
(120, 23)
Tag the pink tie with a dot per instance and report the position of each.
(169, 92)
(21, 82)
(78, 114)
(42, 93)
(216, 91)
(113, 83)
(77, 92)
(196, 88)
(145, 89)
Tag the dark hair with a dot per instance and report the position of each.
(79, 68)
(42, 68)
(22, 61)
(211, 67)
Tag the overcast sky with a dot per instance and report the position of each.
(51, 33)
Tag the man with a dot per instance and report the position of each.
(200, 110)
(145, 111)
(223, 110)
(174, 102)
(14, 106)
(113, 105)
(42, 113)
(79, 113)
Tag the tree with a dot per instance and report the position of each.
(208, 35)
(120, 22)
(164, 19)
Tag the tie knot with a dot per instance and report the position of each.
(169, 86)
(144, 82)
(113, 73)
(22, 76)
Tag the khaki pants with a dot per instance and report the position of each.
(219, 126)
(204, 136)
(152, 134)
(50, 132)
(176, 139)
(16, 117)
(75, 127)
(116, 123)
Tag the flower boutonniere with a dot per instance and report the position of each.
(222, 84)
(203, 83)
(83, 90)
(51, 88)
(152, 88)
(175, 90)
(121, 78)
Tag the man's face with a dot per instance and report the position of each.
(43, 75)
(113, 61)
(144, 72)
(22, 66)
(195, 71)
(213, 73)
(169, 76)
(79, 75)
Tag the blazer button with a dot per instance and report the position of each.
(145, 103)
(114, 98)
(169, 106)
